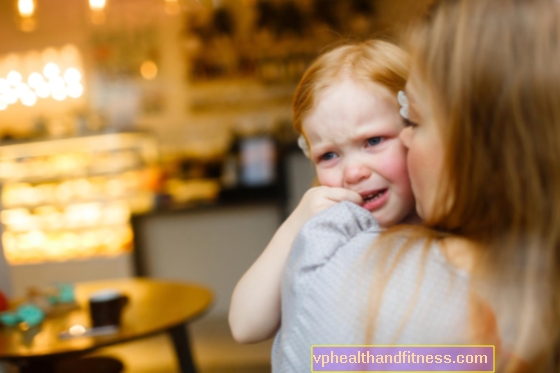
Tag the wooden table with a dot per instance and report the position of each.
(154, 307)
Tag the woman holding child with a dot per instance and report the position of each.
(482, 115)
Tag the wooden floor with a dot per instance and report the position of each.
(215, 351)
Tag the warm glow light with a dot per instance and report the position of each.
(75, 90)
(29, 99)
(72, 75)
(97, 4)
(43, 90)
(58, 88)
(35, 80)
(36, 238)
(71, 217)
(11, 96)
(51, 70)
(40, 75)
(149, 70)
(22, 90)
(4, 86)
(26, 8)
(70, 241)
(59, 95)
(57, 83)
(14, 78)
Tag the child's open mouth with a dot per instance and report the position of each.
(376, 199)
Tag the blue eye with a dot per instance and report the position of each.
(327, 156)
(372, 141)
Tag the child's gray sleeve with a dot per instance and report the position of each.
(327, 232)
(317, 305)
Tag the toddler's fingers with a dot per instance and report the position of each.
(342, 194)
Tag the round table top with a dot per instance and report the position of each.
(154, 306)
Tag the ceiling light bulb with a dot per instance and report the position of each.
(11, 96)
(26, 8)
(29, 99)
(4, 85)
(51, 70)
(97, 4)
(148, 70)
(72, 75)
(75, 90)
(59, 94)
(14, 78)
(35, 80)
(43, 90)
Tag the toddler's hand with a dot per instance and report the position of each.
(320, 198)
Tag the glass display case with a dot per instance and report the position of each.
(73, 198)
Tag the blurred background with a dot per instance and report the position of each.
(154, 138)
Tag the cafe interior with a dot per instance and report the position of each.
(153, 139)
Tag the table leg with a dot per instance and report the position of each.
(182, 346)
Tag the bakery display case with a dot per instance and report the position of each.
(73, 198)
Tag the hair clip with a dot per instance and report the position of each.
(403, 101)
(303, 145)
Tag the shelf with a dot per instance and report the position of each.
(74, 197)
(89, 144)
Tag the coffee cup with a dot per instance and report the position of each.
(105, 307)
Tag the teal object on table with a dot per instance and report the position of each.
(9, 318)
(28, 313)
(66, 293)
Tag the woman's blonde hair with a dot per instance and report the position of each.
(491, 72)
(374, 61)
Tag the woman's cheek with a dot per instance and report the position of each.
(395, 168)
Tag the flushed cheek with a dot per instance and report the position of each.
(329, 177)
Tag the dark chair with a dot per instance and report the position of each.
(94, 364)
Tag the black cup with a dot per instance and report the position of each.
(105, 308)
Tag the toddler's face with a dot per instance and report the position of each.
(353, 133)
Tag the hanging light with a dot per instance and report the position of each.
(148, 70)
(97, 11)
(26, 8)
(97, 4)
(41, 82)
(26, 15)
